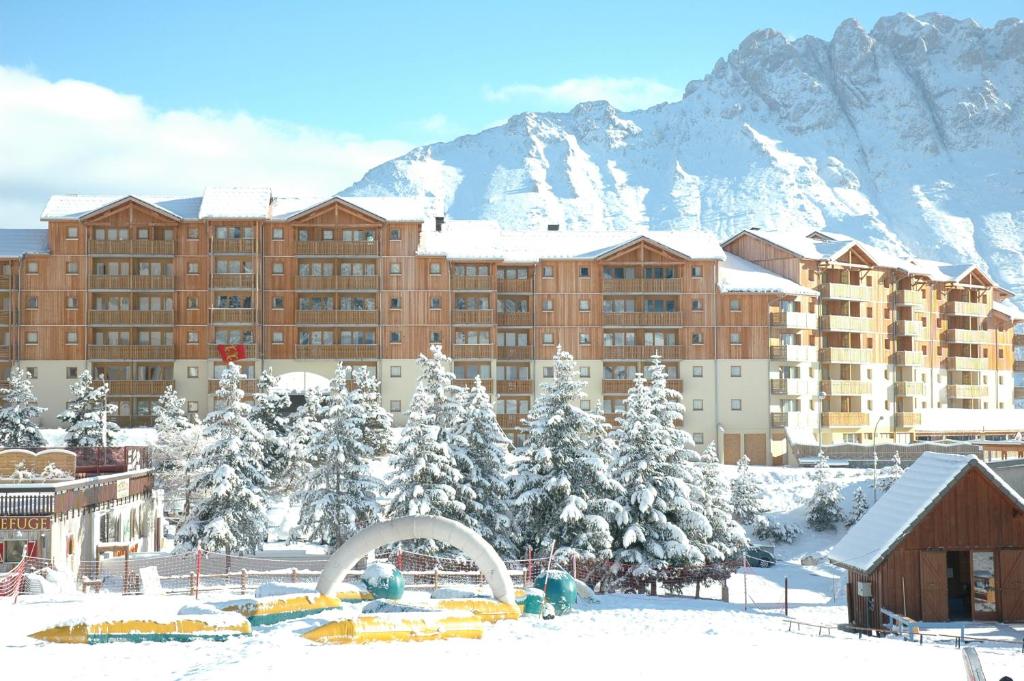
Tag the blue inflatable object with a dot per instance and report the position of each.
(560, 589)
(383, 580)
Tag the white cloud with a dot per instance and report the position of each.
(623, 93)
(76, 137)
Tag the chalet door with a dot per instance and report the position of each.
(934, 589)
(1011, 584)
(731, 447)
(755, 447)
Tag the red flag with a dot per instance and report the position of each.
(30, 549)
(231, 353)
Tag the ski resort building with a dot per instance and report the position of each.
(946, 542)
(771, 338)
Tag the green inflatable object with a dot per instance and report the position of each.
(560, 587)
(383, 580)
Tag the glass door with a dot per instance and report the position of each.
(983, 585)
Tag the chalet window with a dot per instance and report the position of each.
(277, 234)
(193, 337)
(584, 272)
(277, 303)
(71, 373)
(548, 272)
(327, 235)
(696, 304)
(193, 407)
(32, 267)
(548, 305)
(32, 303)
(696, 271)
(72, 232)
(302, 234)
(734, 338)
(277, 268)
(736, 405)
(71, 338)
(193, 372)
(585, 405)
(548, 339)
(395, 268)
(193, 233)
(698, 405)
(193, 268)
(396, 235)
(395, 304)
(698, 371)
(584, 306)
(435, 303)
(395, 406)
(549, 372)
(584, 372)
(435, 268)
(697, 339)
(659, 272)
(33, 372)
(71, 303)
(435, 336)
(698, 438)
(277, 337)
(584, 339)
(734, 305)
(396, 337)
(192, 303)
(32, 337)
(396, 372)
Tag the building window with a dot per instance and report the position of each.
(193, 407)
(698, 438)
(277, 337)
(584, 306)
(71, 302)
(193, 372)
(584, 272)
(696, 271)
(192, 303)
(548, 305)
(697, 339)
(277, 303)
(736, 371)
(396, 372)
(396, 337)
(584, 372)
(71, 338)
(548, 271)
(71, 373)
(435, 303)
(396, 235)
(32, 303)
(435, 336)
(395, 304)
(736, 405)
(395, 268)
(277, 234)
(396, 406)
(32, 337)
(734, 305)
(548, 372)
(734, 338)
(584, 339)
(32, 267)
(698, 405)
(71, 267)
(548, 339)
(698, 371)
(585, 405)
(33, 372)
(193, 233)
(277, 268)
(192, 268)
(193, 337)
(696, 304)
(72, 232)
(435, 268)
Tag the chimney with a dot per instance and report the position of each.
(553, 228)
(438, 223)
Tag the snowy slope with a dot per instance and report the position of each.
(908, 136)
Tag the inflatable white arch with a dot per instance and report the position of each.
(419, 527)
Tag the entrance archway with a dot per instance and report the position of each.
(419, 527)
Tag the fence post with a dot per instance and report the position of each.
(398, 559)
(437, 576)
(786, 596)
(244, 579)
(199, 569)
(295, 575)
(574, 567)
(192, 583)
(124, 580)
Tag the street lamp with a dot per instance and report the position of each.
(821, 417)
(874, 454)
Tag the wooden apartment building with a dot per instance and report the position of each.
(144, 289)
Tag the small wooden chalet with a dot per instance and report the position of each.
(946, 542)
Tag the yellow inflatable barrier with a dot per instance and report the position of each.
(178, 629)
(409, 626)
(273, 609)
(487, 609)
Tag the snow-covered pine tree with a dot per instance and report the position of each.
(271, 408)
(888, 476)
(564, 492)
(824, 511)
(83, 418)
(446, 398)
(339, 494)
(376, 422)
(648, 540)
(727, 536)
(229, 486)
(178, 441)
(747, 493)
(482, 450)
(19, 413)
(860, 507)
(424, 477)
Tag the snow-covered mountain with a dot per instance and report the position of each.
(909, 136)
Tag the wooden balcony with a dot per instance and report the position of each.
(336, 248)
(515, 285)
(151, 317)
(514, 351)
(966, 363)
(472, 283)
(339, 351)
(907, 419)
(354, 317)
(844, 419)
(473, 317)
(515, 387)
(233, 246)
(137, 352)
(794, 419)
(794, 320)
(794, 353)
(643, 351)
(832, 291)
(846, 355)
(961, 309)
(966, 392)
(118, 317)
(5, 352)
(233, 281)
(131, 317)
(793, 386)
(969, 336)
(1018, 366)
(139, 388)
(610, 386)
(247, 385)
(908, 327)
(674, 285)
(469, 383)
(910, 298)
(846, 387)
(479, 351)
(514, 319)
(5, 317)
(131, 247)
(109, 282)
(509, 422)
(250, 351)
(232, 315)
(909, 389)
(834, 322)
(361, 283)
(5, 281)
(909, 358)
(643, 319)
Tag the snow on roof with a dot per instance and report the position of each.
(1008, 309)
(736, 275)
(76, 206)
(235, 202)
(15, 243)
(486, 240)
(388, 208)
(896, 513)
(946, 420)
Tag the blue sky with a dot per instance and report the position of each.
(366, 80)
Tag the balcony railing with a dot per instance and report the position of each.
(794, 353)
(794, 419)
(144, 282)
(234, 281)
(123, 317)
(473, 317)
(5, 351)
(794, 320)
(643, 351)
(909, 358)
(150, 317)
(909, 389)
(843, 419)
(250, 350)
(360, 283)
(338, 351)
(124, 282)
(845, 387)
(131, 352)
(5, 281)
(131, 247)
(833, 291)
(966, 363)
(468, 383)
(515, 387)
(643, 319)
(611, 386)
(509, 422)
(908, 327)
(234, 246)
(139, 388)
(514, 319)
(514, 351)
(968, 336)
(846, 355)
(475, 351)
(793, 386)
(966, 392)
(907, 419)
(355, 317)
(336, 248)
(5, 317)
(466, 283)
(961, 309)
(910, 298)
(233, 315)
(639, 285)
(831, 322)
(110, 282)
(515, 285)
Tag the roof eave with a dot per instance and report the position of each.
(124, 199)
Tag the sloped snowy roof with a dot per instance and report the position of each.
(485, 239)
(388, 208)
(1008, 309)
(77, 206)
(946, 420)
(896, 513)
(17, 242)
(736, 275)
(235, 202)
